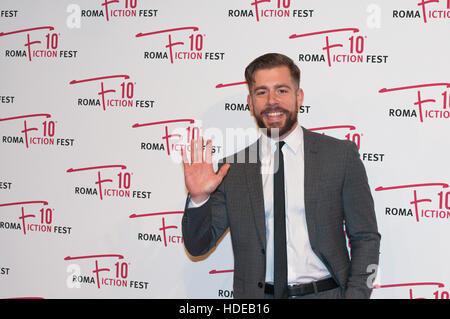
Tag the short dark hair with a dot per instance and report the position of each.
(268, 61)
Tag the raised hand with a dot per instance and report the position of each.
(199, 175)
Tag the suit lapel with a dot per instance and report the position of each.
(255, 191)
(312, 175)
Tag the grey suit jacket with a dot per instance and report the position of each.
(337, 195)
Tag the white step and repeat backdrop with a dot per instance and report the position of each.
(97, 97)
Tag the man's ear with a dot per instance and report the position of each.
(300, 96)
(250, 104)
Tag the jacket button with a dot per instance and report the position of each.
(260, 284)
(263, 251)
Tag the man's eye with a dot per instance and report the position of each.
(260, 92)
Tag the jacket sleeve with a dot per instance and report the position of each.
(361, 227)
(203, 226)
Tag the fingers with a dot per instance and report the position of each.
(196, 151)
(199, 150)
(185, 159)
(223, 171)
(192, 150)
(208, 155)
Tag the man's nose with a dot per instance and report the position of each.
(272, 98)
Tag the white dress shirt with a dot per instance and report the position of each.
(303, 264)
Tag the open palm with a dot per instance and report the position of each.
(199, 175)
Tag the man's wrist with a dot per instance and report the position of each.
(198, 201)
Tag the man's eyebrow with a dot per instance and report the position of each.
(277, 86)
(260, 87)
(282, 86)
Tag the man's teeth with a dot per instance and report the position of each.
(274, 114)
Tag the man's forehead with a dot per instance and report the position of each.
(281, 69)
(278, 76)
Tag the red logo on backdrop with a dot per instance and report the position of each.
(428, 10)
(431, 103)
(223, 85)
(128, 11)
(223, 271)
(434, 12)
(268, 9)
(113, 273)
(434, 205)
(41, 133)
(183, 43)
(168, 237)
(32, 220)
(119, 186)
(173, 141)
(127, 90)
(115, 9)
(414, 286)
(223, 293)
(114, 95)
(352, 134)
(282, 9)
(39, 44)
(348, 50)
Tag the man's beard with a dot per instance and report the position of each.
(291, 120)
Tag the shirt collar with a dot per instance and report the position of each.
(294, 141)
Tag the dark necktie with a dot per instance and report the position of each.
(280, 254)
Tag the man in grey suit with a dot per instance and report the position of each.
(290, 201)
